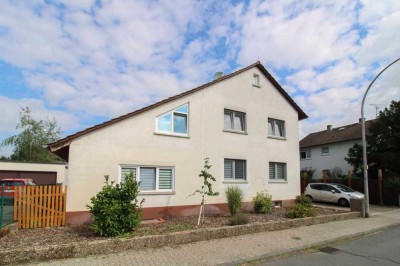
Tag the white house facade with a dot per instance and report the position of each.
(325, 150)
(245, 123)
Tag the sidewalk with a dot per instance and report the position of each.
(234, 250)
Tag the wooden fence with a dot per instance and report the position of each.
(40, 206)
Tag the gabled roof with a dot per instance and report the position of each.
(338, 134)
(60, 147)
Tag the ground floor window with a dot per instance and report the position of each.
(151, 178)
(277, 171)
(234, 169)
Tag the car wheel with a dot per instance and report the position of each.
(308, 196)
(343, 202)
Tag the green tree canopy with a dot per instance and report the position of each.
(383, 142)
(29, 145)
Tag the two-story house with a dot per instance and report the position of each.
(244, 122)
(325, 150)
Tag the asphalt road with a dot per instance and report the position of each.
(381, 248)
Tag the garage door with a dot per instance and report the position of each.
(40, 178)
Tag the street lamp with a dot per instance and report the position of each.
(365, 165)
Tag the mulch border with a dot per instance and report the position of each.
(96, 247)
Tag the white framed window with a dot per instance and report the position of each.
(234, 169)
(151, 178)
(325, 150)
(276, 128)
(234, 120)
(277, 171)
(174, 122)
(305, 154)
(256, 80)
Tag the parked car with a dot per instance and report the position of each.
(334, 193)
(10, 183)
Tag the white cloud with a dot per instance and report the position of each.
(339, 74)
(294, 34)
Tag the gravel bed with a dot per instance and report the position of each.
(63, 235)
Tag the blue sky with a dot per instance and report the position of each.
(84, 62)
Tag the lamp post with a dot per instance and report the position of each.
(365, 165)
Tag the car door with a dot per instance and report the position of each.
(315, 191)
(330, 193)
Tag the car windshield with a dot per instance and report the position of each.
(344, 188)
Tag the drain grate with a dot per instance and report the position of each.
(329, 250)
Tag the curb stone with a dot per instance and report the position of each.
(97, 247)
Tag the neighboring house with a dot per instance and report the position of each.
(325, 150)
(244, 122)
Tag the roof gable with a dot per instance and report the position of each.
(62, 144)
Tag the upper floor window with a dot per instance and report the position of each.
(174, 122)
(325, 150)
(152, 179)
(305, 154)
(256, 80)
(277, 171)
(234, 120)
(276, 128)
(234, 169)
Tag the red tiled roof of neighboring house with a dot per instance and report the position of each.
(64, 142)
(338, 134)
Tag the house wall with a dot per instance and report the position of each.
(133, 141)
(59, 168)
(319, 162)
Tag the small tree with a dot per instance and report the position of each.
(336, 172)
(310, 172)
(28, 145)
(115, 209)
(354, 158)
(206, 187)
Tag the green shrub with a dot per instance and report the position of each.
(115, 210)
(238, 219)
(262, 202)
(234, 196)
(303, 200)
(300, 211)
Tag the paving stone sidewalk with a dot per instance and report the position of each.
(234, 250)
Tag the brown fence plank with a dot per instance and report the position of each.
(65, 204)
(56, 205)
(48, 212)
(40, 207)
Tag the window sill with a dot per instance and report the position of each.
(171, 135)
(325, 154)
(157, 193)
(274, 137)
(235, 182)
(305, 159)
(257, 86)
(236, 132)
(278, 181)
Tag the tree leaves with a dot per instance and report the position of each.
(29, 143)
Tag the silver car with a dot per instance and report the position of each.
(334, 193)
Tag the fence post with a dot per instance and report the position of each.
(304, 181)
(349, 180)
(380, 186)
(324, 175)
(2, 205)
